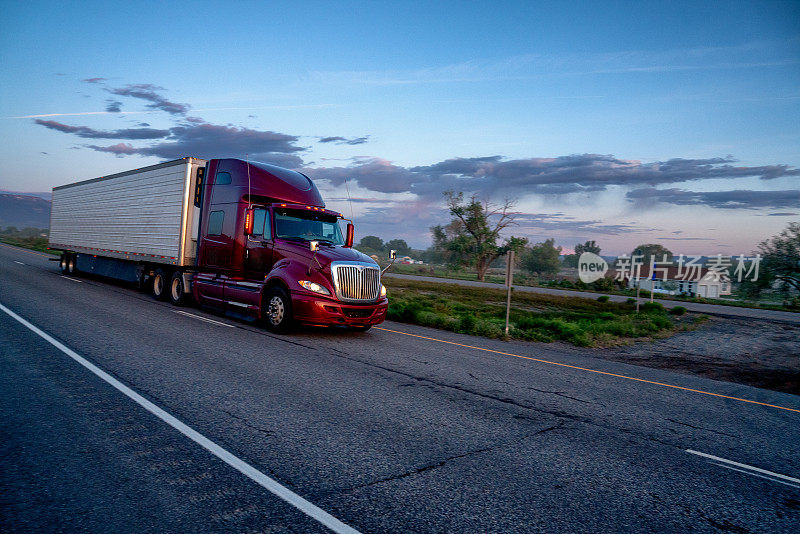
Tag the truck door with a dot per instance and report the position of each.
(258, 254)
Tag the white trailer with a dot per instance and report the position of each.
(146, 216)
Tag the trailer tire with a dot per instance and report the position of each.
(159, 289)
(72, 259)
(177, 289)
(277, 311)
(63, 263)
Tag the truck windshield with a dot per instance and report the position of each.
(300, 225)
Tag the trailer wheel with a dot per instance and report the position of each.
(277, 311)
(71, 267)
(63, 263)
(177, 289)
(159, 285)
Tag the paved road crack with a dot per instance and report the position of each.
(702, 428)
(248, 424)
(449, 459)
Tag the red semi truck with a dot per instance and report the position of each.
(246, 238)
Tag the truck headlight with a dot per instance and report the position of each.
(313, 286)
(383, 290)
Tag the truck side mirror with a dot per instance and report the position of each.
(392, 254)
(249, 217)
(351, 231)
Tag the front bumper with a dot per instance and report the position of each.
(314, 310)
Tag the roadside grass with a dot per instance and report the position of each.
(523, 279)
(33, 243)
(534, 317)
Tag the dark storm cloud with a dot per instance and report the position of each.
(147, 91)
(738, 199)
(114, 106)
(339, 140)
(90, 133)
(548, 176)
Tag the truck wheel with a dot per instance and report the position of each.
(64, 263)
(277, 312)
(177, 289)
(159, 285)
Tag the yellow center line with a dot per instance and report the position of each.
(589, 370)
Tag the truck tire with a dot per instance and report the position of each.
(160, 284)
(177, 289)
(277, 311)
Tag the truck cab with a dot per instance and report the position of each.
(268, 248)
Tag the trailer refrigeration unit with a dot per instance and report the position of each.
(246, 238)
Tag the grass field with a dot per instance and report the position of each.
(534, 317)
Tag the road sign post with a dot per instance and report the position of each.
(509, 282)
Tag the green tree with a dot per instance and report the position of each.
(652, 249)
(589, 246)
(370, 244)
(781, 256)
(542, 258)
(399, 245)
(472, 235)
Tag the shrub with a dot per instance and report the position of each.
(677, 310)
(631, 300)
(653, 307)
(603, 298)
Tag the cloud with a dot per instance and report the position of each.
(783, 214)
(198, 138)
(147, 91)
(94, 80)
(339, 140)
(114, 106)
(375, 174)
(738, 199)
(90, 133)
(119, 150)
(580, 173)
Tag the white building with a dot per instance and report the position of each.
(699, 282)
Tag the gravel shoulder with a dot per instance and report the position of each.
(758, 353)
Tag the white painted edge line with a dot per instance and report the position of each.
(73, 279)
(243, 467)
(743, 466)
(15, 261)
(212, 321)
(771, 479)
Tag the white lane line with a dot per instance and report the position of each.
(187, 314)
(243, 467)
(15, 261)
(744, 466)
(73, 279)
(771, 479)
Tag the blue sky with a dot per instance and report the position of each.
(623, 122)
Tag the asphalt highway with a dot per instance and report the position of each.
(123, 414)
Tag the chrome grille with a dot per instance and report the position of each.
(357, 282)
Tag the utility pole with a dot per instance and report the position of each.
(509, 281)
